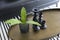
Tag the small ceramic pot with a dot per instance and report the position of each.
(24, 28)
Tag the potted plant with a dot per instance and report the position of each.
(23, 22)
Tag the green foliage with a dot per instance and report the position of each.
(23, 15)
(13, 21)
(23, 19)
(33, 22)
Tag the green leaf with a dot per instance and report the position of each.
(13, 21)
(33, 22)
(23, 15)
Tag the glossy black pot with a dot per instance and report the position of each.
(24, 28)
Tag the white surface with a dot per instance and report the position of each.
(52, 6)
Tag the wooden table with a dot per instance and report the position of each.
(52, 18)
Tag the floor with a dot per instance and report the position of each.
(52, 18)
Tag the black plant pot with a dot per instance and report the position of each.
(24, 28)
